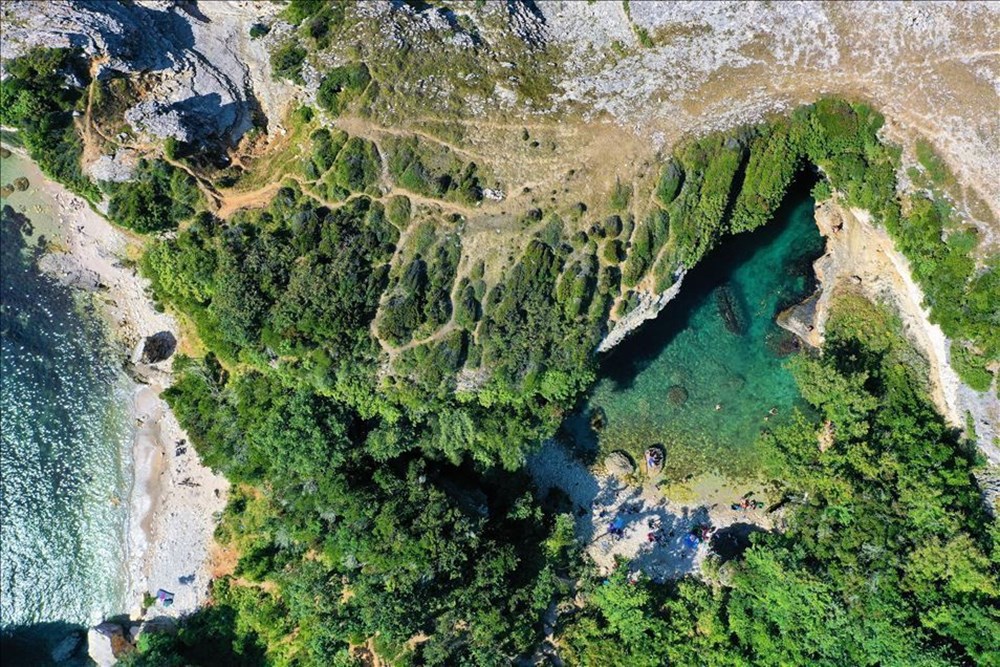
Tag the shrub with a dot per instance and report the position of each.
(258, 30)
(287, 60)
(971, 367)
(342, 84)
(157, 199)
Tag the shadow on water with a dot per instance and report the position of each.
(622, 364)
(54, 644)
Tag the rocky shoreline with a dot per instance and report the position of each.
(863, 257)
(648, 308)
(174, 501)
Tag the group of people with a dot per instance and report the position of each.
(746, 503)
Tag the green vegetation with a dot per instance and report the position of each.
(287, 61)
(971, 367)
(432, 171)
(157, 199)
(258, 30)
(962, 296)
(888, 558)
(319, 19)
(343, 164)
(419, 298)
(38, 96)
(341, 85)
(377, 493)
(932, 163)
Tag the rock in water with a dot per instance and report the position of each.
(677, 394)
(730, 310)
(21, 184)
(4, 153)
(619, 464)
(158, 347)
(106, 643)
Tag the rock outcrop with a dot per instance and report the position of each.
(618, 464)
(106, 643)
(158, 347)
(204, 74)
(650, 305)
(862, 257)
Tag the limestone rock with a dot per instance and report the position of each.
(204, 72)
(102, 640)
(116, 168)
(619, 464)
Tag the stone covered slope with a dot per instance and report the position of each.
(669, 69)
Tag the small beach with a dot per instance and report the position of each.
(173, 501)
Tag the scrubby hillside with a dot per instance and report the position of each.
(400, 232)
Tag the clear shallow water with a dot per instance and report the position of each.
(686, 380)
(65, 438)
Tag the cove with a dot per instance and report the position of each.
(707, 375)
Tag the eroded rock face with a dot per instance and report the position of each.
(197, 56)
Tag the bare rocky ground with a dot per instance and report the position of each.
(933, 69)
(660, 70)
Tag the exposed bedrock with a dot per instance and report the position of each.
(205, 73)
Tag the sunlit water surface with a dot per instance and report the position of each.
(709, 374)
(64, 445)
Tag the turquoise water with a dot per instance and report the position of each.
(65, 442)
(708, 374)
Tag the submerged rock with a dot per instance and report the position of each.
(598, 419)
(677, 395)
(67, 647)
(21, 183)
(731, 310)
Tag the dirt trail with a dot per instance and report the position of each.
(360, 127)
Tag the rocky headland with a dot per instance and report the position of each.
(861, 256)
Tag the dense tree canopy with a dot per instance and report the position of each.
(372, 397)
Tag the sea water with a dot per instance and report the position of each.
(65, 438)
(709, 374)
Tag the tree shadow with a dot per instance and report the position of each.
(730, 542)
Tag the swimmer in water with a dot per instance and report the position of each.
(718, 406)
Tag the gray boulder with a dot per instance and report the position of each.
(619, 464)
